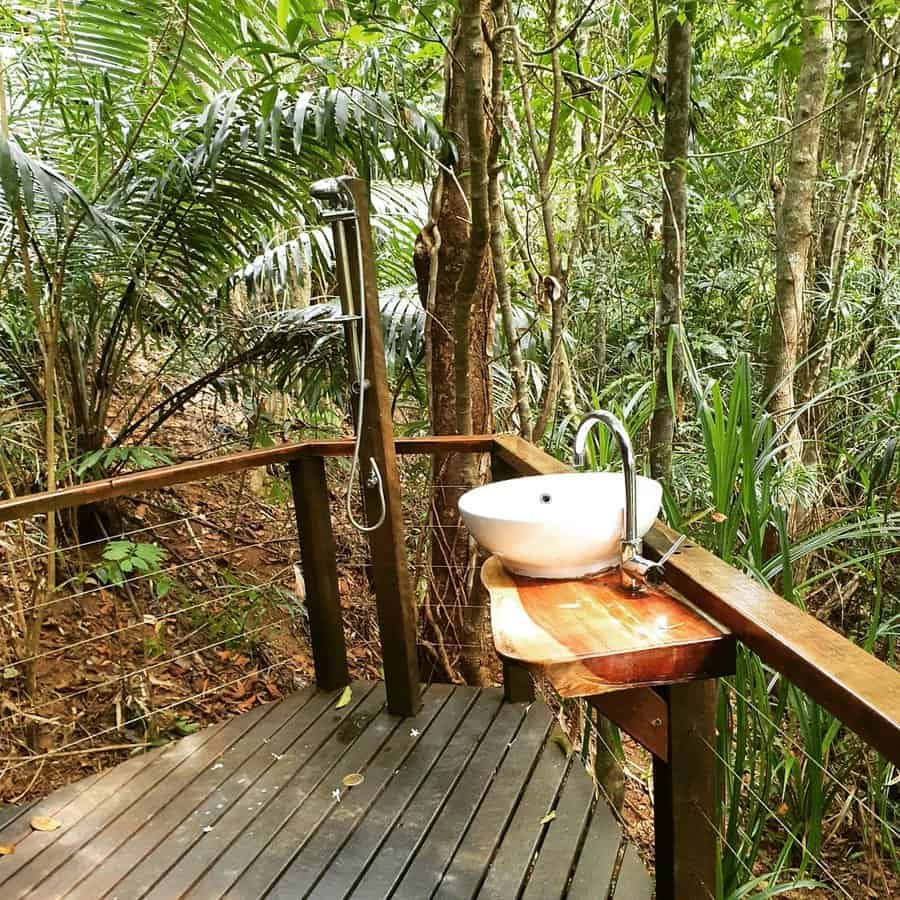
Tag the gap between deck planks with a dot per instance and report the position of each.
(453, 804)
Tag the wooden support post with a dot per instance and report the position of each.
(518, 685)
(323, 601)
(394, 593)
(685, 807)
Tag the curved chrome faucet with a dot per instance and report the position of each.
(635, 569)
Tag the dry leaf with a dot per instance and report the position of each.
(7, 849)
(561, 740)
(354, 779)
(346, 696)
(44, 823)
(549, 817)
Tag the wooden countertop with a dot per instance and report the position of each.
(590, 636)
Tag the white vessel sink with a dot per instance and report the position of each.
(557, 526)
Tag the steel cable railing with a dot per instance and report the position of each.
(359, 627)
(143, 717)
(817, 860)
(124, 691)
(157, 573)
(66, 698)
(808, 757)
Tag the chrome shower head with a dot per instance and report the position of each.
(333, 198)
(326, 189)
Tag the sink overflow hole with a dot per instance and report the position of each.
(545, 498)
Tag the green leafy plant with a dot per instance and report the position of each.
(124, 560)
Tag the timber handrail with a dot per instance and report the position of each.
(852, 684)
(197, 470)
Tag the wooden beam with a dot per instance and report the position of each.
(200, 469)
(394, 594)
(322, 598)
(642, 713)
(524, 458)
(852, 684)
(414, 446)
(684, 795)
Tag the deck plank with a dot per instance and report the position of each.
(598, 855)
(219, 877)
(561, 844)
(509, 869)
(115, 850)
(450, 807)
(184, 824)
(469, 864)
(315, 853)
(634, 883)
(429, 828)
(17, 830)
(437, 852)
(9, 814)
(435, 756)
(261, 876)
(244, 833)
(29, 864)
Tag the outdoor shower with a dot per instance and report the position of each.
(338, 207)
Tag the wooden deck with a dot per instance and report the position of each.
(454, 803)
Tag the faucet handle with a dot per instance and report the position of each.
(672, 550)
(652, 572)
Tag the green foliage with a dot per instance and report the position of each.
(115, 458)
(125, 560)
(156, 175)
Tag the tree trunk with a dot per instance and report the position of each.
(461, 337)
(670, 292)
(864, 359)
(862, 129)
(498, 221)
(851, 118)
(793, 228)
(559, 376)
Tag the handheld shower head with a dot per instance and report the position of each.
(330, 191)
(333, 198)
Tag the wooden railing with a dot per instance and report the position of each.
(853, 685)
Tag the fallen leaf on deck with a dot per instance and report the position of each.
(549, 817)
(7, 849)
(346, 696)
(354, 779)
(561, 740)
(44, 823)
